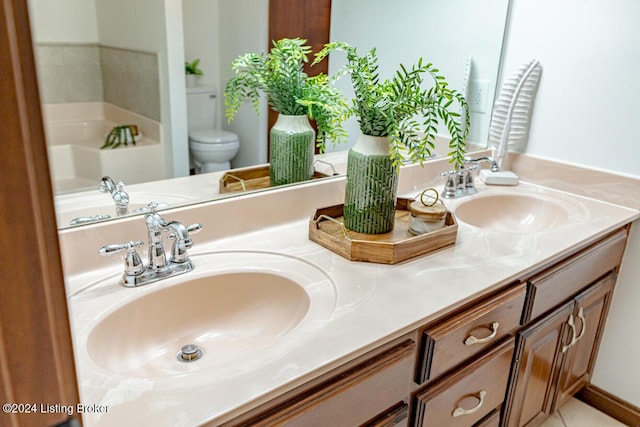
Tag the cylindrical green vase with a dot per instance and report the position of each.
(291, 150)
(372, 185)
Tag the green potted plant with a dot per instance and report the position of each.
(192, 71)
(297, 98)
(398, 121)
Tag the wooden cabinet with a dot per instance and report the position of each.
(553, 355)
(537, 356)
(510, 358)
(589, 317)
(564, 317)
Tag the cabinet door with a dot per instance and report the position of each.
(589, 316)
(538, 358)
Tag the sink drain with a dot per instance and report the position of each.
(189, 353)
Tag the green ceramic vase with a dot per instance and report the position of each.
(372, 185)
(291, 150)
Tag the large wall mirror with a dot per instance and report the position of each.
(111, 62)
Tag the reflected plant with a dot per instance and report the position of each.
(191, 68)
(289, 90)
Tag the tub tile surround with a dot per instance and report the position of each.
(131, 80)
(277, 221)
(69, 72)
(90, 72)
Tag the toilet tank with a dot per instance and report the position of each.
(201, 107)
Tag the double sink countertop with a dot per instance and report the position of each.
(371, 304)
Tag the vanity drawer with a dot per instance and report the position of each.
(566, 279)
(469, 395)
(461, 337)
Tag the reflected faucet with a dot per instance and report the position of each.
(159, 267)
(120, 197)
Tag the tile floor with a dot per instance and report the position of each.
(575, 413)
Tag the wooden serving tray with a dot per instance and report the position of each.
(326, 228)
(250, 178)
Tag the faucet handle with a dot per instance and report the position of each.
(151, 207)
(133, 265)
(180, 245)
(194, 228)
(449, 190)
(190, 229)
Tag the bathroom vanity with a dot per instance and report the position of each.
(521, 350)
(498, 329)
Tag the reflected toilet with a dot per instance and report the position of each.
(211, 149)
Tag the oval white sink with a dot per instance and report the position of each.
(227, 314)
(516, 213)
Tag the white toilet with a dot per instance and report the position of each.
(211, 149)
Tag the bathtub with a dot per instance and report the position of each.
(75, 133)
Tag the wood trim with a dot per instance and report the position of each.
(36, 355)
(611, 405)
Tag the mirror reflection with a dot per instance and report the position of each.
(107, 63)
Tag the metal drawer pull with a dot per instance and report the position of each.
(572, 325)
(461, 411)
(470, 340)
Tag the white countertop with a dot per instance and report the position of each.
(375, 303)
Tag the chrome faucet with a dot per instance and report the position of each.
(487, 159)
(116, 189)
(158, 268)
(461, 182)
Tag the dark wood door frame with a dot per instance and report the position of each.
(36, 355)
(310, 20)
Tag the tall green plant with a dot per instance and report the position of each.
(280, 76)
(403, 108)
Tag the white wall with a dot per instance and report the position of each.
(154, 26)
(64, 21)
(218, 31)
(587, 106)
(586, 112)
(445, 33)
(202, 39)
(244, 28)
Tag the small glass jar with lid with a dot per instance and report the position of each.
(428, 213)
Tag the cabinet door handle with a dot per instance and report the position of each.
(471, 340)
(572, 341)
(461, 411)
(584, 326)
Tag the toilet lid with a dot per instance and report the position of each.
(212, 136)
